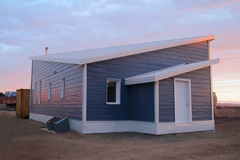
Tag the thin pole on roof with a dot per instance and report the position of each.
(46, 50)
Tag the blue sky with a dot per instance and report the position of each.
(27, 27)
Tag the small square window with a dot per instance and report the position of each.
(49, 90)
(113, 91)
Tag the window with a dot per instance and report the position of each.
(39, 96)
(49, 90)
(35, 92)
(113, 91)
(63, 88)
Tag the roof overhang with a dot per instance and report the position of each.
(147, 49)
(101, 54)
(169, 72)
(57, 59)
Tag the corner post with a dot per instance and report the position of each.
(156, 101)
(84, 93)
(211, 84)
(30, 96)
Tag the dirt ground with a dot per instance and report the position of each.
(22, 139)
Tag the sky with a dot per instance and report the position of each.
(27, 27)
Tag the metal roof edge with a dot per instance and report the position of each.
(173, 71)
(147, 49)
(114, 55)
(59, 60)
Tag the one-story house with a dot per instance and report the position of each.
(156, 87)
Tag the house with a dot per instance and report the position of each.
(157, 87)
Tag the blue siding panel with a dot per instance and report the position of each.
(142, 102)
(124, 67)
(71, 104)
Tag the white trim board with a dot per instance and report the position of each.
(156, 101)
(169, 72)
(84, 93)
(167, 128)
(101, 54)
(211, 80)
(88, 127)
(105, 126)
(117, 92)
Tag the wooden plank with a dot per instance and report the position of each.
(22, 105)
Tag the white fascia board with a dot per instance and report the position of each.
(170, 72)
(146, 49)
(56, 59)
(186, 68)
(153, 72)
(140, 80)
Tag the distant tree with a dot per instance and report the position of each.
(2, 94)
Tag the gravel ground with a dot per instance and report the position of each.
(231, 112)
(22, 139)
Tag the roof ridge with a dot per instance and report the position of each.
(100, 54)
(147, 42)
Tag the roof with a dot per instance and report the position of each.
(101, 54)
(169, 72)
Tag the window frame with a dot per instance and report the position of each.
(49, 90)
(63, 88)
(118, 91)
(39, 94)
(35, 93)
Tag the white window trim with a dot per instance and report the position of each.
(49, 90)
(118, 90)
(63, 87)
(39, 95)
(35, 93)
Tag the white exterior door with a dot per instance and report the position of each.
(183, 106)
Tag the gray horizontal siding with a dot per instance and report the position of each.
(201, 96)
(124, 67)
(61, 110)
(166, 100)
(71, 104)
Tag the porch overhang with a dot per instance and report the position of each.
(169, 72)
